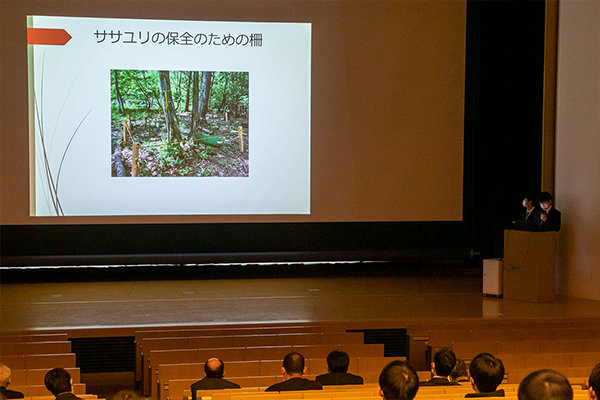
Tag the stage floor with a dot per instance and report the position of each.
(387, 299)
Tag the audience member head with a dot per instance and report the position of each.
(58, 381)
(459, 372)
(4, 375)
(594, 383)
(338, 361)
(545, 384)
(293, 365)
(214, 368)
(545, 200)
(126, 395)
(398, 381)
(486, 372)
(443, 363)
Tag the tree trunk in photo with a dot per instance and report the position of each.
(179, 75)
(224, 100)
(118, 162)
(118, 93)
(144, 92)
(152, 88)
(173, 132)
(205, 95)
(195, 113)
(236, 107)
(187, 94)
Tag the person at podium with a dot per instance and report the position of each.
(549, 217)
(528, 218)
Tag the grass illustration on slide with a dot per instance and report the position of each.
(179, 123)
(52, 173)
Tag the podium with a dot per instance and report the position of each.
(529, 265)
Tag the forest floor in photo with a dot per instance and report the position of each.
(191, 158)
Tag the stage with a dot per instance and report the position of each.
(390, 300)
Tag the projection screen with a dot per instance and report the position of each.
(130, 127)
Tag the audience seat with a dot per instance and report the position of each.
(353, 393)
(223, 331)
(40, 389)
(33, 337)
(25, 377)
(158, 357)
(25, 348)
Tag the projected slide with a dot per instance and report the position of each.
(154, 117)
(151, 112)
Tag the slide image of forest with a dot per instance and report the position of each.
(179, 123)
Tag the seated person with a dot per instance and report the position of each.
(442, 366)
(398, 381)
(337, 365)
(214, 369)
(58, 381)
(5, 373)
(460, 374)
(487, 373)
(594, 383)
(293, 369)
(549, 217)
(545, 384)
(528, 218)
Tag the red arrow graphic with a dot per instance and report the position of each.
(58, 37)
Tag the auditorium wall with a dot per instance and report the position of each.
(578, 149)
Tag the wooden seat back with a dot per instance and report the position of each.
(33, 337)
(25, 348)
(223, 331)
(25, 377)
(40, 390)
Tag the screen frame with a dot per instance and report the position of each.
(73, 243)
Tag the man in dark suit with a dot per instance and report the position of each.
(214, 369)
(487, 373)
(337, 364)
(528, 218)
(293, 369)
(443, 363)
(398, 381)
(549, 216)
(5, 381)
(58, 381)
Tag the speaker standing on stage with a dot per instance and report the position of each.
(549, 216)
(528, 218)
